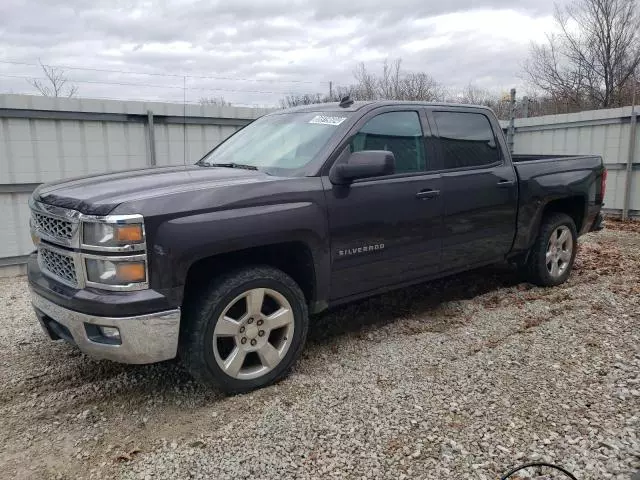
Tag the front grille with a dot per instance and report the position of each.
(53, 227)
(59, 265)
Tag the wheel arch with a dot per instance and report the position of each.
(574, 206)
(295, 258)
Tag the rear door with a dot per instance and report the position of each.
(479, 189)
(386, 230)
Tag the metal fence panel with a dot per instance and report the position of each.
(15, 239)
(597, 132)
(46, 139)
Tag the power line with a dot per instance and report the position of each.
(150, 100)
(98, 82)
(68, 67)
(129, 84)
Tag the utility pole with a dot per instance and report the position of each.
(330, 90)
(512, 119)
(632, 150)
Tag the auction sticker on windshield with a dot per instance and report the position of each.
(326, 120)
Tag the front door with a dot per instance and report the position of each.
(385, 230)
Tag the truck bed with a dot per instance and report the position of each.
(532, 166)
(544, 178)
(517, 158)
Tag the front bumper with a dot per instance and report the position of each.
(145, 338)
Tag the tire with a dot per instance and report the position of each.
(537, 269)
(207, 336)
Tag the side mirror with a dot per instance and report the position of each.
(365, 164)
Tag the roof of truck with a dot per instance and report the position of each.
(335, 106)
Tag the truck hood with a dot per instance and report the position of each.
(100, 194)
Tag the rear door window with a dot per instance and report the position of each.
(467, 140)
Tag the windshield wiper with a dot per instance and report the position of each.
(230, 165)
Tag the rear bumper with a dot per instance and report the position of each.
(145, 338)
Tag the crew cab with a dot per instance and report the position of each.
(222, 263)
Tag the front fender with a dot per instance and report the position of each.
(180, 242)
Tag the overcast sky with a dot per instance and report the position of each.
(258, 51)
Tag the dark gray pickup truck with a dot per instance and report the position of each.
(220, 263)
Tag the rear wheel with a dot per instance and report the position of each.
(246, 330)
(551, 258)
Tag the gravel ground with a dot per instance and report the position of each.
(460, 378)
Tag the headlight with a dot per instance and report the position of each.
(111, 234)
(34, 238)
(116, 272)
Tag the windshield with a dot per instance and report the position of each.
(288, 141)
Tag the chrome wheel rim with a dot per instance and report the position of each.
(253, 333)
(559, 251)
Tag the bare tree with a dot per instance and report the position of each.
(366, 87)
(214, 101)
(339, 92)
(592, 59)
(391, 83)
(302, 99)
(420, 86)
(55, 83)
(475, 95)
(394, 84)
(311, 98)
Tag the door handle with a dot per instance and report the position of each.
(427, 194)
(506, 183)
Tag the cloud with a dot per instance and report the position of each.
(257, 51)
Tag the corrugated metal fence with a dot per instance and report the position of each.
(45, 139)
(599, 132)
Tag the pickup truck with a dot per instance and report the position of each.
(221, 263)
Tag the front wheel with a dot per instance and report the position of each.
(554, 251)
(245, 331)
